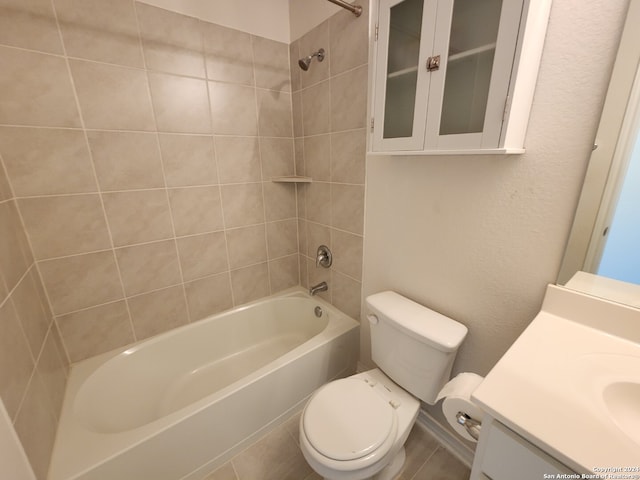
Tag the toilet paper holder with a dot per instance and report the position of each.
(472, 426)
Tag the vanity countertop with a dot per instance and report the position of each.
(570, 384)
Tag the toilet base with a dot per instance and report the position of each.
(392, 470)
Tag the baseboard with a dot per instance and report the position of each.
(446, 438)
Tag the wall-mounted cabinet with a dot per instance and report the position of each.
(455, 76)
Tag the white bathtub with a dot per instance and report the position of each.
(182, 403)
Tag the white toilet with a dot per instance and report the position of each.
(355, 428)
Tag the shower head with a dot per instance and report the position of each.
(306, 61)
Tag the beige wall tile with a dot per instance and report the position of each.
(349, 100)
(16, 363)
(242, 204)
(346, 294)
(126, 160)
(188, 160)
(250, 283)
(148, 267)
(274, 113)
(138, 216)
(172, 42)
(283, 273)
(15, 253)
(31, 312)
(233, 109)
(304, 275)
(271, 64)
(296, 71)
(180, 103)
(159, 311)
(317, 275)
(238, 159)
(347, 207)
(36, 427)
(348, 156)
(317, 157)
(81, 281)
(282, 238)
(247, 245)
(5, 189)
(347, 30)
(35, 89)
(318, 199)
(30, 25)
(317, 235)
(310, 43)
(298, 149)
(64, 225)
(47, 161)
(97, 330)
(196, 210)
(347, 253)
(229, 57)
(202, 255)
(105, 32)
(208, 296)
(296, 113)
(316, 109)
(52, 369)
(302, 236)
(280, 201)
(113, 97)
(276, 155)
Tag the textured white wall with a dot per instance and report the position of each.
(265, 18)
(479, 237)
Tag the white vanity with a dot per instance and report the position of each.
(565, 398)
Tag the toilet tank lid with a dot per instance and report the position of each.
(418, 321)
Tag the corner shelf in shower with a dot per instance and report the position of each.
(292, 179)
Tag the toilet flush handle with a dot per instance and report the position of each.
(373, 320)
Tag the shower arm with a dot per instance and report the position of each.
(355, 9)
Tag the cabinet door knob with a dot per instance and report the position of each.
(433, 63)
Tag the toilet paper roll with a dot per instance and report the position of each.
(457, 398)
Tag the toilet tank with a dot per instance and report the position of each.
(412, 344)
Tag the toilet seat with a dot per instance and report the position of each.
(350, 422)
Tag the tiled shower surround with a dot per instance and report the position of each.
(137, 149)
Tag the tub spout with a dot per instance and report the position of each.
(321, 287)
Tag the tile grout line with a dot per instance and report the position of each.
(217, 167)
(164, 176)
(95, 177)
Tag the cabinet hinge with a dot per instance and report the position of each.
(507, 105)
(372, 121)
(376, 33)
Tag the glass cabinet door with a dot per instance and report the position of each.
(468, 95)
(472, 45)
(402, 93)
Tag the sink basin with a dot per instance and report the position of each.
(622, 400)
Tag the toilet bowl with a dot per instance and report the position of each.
(355, 428)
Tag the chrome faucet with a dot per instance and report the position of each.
(321, 287)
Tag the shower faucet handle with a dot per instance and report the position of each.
(323, 257)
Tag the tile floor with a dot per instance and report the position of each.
(277, 457)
